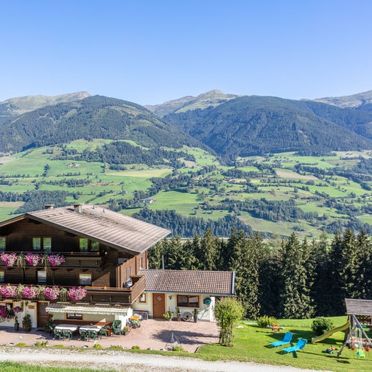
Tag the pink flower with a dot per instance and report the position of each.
(17, 309)
(32, 259)
(76, 293)
(56, 260)
(8, 291)
(8, 259)
(29, 293)
(51, 293)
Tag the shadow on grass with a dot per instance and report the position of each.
(184, 337)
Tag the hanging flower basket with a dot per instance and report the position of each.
(76, 294)
(32, 259)
(8, 259)
(56, 260)
(51, 293)
(8, 291)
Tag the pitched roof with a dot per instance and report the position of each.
(218, 283)
(108, 227)
(358, 307)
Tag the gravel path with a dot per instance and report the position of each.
(126, 361)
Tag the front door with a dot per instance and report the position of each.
(42, 315)
(158, 305)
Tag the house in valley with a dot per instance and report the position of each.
(85, 264)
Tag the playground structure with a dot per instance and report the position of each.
(359, 314)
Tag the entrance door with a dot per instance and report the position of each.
(42, 315)
(158, 305)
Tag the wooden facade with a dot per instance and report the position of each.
(108, 267)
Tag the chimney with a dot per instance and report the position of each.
(78, 208)
(48, 206)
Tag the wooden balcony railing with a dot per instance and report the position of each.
(88, 260)
(102, 295)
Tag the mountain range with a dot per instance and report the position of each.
(227, 124)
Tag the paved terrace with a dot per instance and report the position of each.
(153, 334)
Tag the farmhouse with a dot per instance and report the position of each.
(87, 265)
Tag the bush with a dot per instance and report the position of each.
(227, 312)
(168, 315)
(116, 348)
(135, 347)
(97, 347)
(26, 323)
(41, 344)
(266, 321)
(21, 344)
(321, 326)
(178, 348)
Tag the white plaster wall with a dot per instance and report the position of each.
(206, 312)
(30, 308)
(87, 317)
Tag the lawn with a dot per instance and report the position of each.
(250, 344)
(18, 367)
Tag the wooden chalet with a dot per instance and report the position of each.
(86, 264)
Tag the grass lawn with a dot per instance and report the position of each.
(250, 345)
(17, 367)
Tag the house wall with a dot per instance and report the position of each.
(205, 312)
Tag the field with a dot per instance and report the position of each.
(323, 189)
(251, 342)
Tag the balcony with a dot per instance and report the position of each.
(95, 295)
(86, 260)
(112, 295)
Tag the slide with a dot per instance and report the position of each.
(322, 337)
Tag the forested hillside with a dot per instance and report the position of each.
(256, 125)
(92, 117)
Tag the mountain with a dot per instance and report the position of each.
(354, 100)
(256, 125)
(13, 107)
(91, 117)
(212, 98)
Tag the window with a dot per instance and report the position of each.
(36, 244)
(141, 263)
(85, 279)
(47, 244)
(143, 298)
(83, 243)
(2, 243)
(2, 276)
(94, 246)
(41, 276)
(188, 301)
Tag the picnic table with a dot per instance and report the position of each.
(65, 330)
(90, 331)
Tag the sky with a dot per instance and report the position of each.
(152, 51)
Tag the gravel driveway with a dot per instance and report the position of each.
(125, 361)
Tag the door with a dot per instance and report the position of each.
(42, 315)
(158, 305)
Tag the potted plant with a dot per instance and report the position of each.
(178, 311)
(27, 323)
(168, 315)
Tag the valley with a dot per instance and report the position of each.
(189, 189)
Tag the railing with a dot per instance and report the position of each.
(88, 260)
(102, 295)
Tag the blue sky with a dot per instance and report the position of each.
(155, 50)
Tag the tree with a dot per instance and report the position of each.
(227, 312)
(245, 262)
(295, 295)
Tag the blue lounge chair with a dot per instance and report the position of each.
(287, 338)
(299, 346)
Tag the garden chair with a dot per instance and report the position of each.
(287, 338)
(299, 346)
